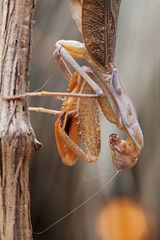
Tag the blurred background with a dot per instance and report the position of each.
(130, 204)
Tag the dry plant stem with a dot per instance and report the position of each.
(17, 139)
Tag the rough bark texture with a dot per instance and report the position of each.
(17, 139)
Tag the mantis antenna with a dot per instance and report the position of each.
(79, 206)
(44, 84)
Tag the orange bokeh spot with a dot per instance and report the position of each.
(122, 219)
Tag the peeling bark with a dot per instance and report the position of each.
(17, 139)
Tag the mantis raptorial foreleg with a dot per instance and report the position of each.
(70, 49)
(71, 125)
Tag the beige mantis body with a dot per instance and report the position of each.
(97, 21)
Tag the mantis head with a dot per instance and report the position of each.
(124, 152)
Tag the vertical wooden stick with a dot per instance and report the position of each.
(17, 139)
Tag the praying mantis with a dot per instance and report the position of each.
(97, 21)
(92, 87)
